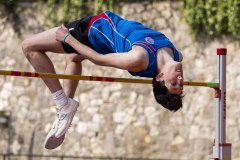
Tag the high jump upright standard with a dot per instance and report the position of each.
(221, 149)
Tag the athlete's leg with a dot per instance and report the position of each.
(73, 67)
(34, 49)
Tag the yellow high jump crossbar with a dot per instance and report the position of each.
(96, 78)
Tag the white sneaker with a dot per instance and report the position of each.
(61, 124)
(51, 142)
(65, 116)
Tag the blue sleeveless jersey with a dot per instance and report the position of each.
(109, 33)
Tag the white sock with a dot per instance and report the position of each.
(60, 98)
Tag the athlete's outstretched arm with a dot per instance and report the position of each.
(135, 60)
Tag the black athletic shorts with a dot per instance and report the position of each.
(79, 30)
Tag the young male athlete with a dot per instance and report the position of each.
(106, 40)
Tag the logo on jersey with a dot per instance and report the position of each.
(149, 40)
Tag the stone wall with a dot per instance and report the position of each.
(117, 119)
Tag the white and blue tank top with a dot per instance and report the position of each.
(109, 33)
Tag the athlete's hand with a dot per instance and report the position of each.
(61, 34)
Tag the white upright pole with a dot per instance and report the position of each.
(222, 52)
(216, 146)
(221, 149)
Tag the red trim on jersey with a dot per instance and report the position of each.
(147, 45)
(95, 18)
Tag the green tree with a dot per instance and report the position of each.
(63, 11)
(7, 2)
(213, 17)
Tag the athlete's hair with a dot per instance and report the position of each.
(173, 102)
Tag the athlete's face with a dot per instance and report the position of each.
(172, 74)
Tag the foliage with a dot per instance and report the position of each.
(7, 2)
(63, 11)
(213, 17)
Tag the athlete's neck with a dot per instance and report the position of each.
(164, 55)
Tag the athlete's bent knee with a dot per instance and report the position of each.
(26, 46)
